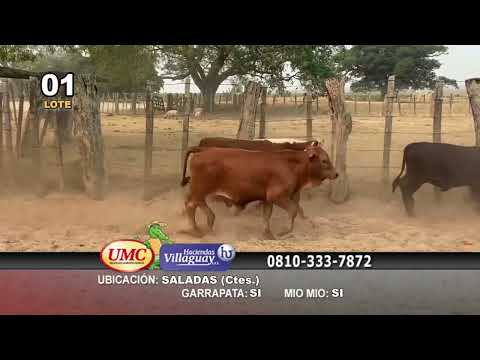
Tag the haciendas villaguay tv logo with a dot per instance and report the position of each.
(159, 252)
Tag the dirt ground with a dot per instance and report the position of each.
(373, 219)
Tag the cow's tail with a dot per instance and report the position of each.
(193, 149)
(397, 179)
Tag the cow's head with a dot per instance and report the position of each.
(321, 167)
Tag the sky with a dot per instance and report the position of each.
(461, 62)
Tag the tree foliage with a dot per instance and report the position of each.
(128, 67)
(413, 66)
(210, 65)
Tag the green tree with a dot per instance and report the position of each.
(210, 65)
(127, 67)
(413, 66)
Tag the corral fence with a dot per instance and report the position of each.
(374, 147)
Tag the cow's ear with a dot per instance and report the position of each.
(314, 143)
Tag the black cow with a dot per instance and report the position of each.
(443, 165)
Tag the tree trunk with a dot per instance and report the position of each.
(65, 125)
(246, 129)
(473, 91)
(208, 93)
(89, 137)
(340, 188)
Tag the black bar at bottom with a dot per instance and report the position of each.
(264, 260)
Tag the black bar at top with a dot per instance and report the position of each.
(250, 261)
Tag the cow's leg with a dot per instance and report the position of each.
(409, 186)
(291, 207)
(209, 213)
(296, 198)
(267, 214)
(191, 207)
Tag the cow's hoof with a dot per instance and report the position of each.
(267, 235)
(195, 233)
(283, 233)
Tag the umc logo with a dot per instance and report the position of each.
(127, 255)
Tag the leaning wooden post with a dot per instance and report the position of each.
(340, 188)
(437, 98)
(263, 115)
(89, 136)
(147, 171)
(246, 129)
(308, 114)
(186, 125)
(388, 127)
(473, 92)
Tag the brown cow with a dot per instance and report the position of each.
(257, 145)
(245, 176)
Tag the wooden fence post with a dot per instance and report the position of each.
(284, 99)
(186, 124)
(59, 150)
(1, 132)
(20, 121)
(89, 136)
(35, 123)
(317, 102)
(473, 92)
(369, 104)
(263, 108)
(7, 115)
(432, 104)
(388, 127)
(414, 105)
(117, 105)
(147, 169)
(399, 106)
(12, 100)
(437, 99)
(340, 188)
(451, 103)
(235, 102)
(246, 129)
(309, 114)
(295, 99)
